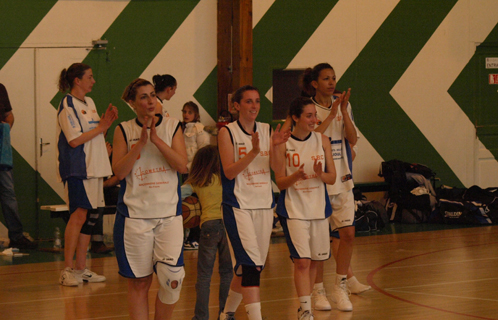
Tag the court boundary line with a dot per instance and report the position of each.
(371, 282)
(442, 295)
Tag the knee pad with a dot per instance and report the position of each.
(91, 219)
(170, 282)
(250, 276)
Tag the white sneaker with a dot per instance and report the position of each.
(304, 315)
(227, 316)
(88, 276)
(67, 278)
(340, 295)
(356, 287)
(320, 300)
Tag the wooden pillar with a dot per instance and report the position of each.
(234, 48)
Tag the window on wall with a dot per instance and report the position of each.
(285, 89)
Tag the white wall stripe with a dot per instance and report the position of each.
(259, 9)
(190, 56)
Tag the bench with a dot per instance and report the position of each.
(382, 186)
(62, 210)
(364, 187)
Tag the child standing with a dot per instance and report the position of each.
(204, 180)
(195, 138)
(193, 130)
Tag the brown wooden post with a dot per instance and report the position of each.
(234, 47)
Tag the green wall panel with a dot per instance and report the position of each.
(279, 36)
(375, 72)
(18, 19)
(207, 94)
(465, 89)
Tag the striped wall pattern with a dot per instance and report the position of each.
(409, 64)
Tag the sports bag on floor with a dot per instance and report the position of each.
(370, 216)
(411, 195)
(488, 197)
(464, 212)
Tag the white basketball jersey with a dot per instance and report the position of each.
(341, 151)
(305, 199)
(151, 189)
(88, 160)
(251, 189)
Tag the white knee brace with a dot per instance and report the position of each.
(170, 282)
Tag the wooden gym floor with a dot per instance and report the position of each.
(449, 273)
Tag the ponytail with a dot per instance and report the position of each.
(305, 83)
(63, 84)
(67, 77)
(162, 82)
(310, 75)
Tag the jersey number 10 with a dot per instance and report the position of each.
(295, 161)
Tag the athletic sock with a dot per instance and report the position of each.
(305, 302)
(318, 286)
(233, 301)
(253, 311)
(339, 278)
(356, 286)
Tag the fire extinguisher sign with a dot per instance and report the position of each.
(493, 78)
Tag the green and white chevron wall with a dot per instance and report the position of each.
(410, 64)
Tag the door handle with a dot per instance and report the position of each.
(42, 144)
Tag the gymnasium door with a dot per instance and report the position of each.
(486, 108)
(30, 77)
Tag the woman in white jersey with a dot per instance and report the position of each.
(304, 166)
(320, 300)
(149, 153)
(245, 147)
(82, 164)
(165, 86)
(335, 120)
